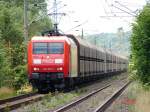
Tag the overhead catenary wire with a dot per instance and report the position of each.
(123, 6)
(77, 26)
(123, 10)
(116, 16)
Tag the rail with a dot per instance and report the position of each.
(17, 101)
(68, 106)
(111, 99)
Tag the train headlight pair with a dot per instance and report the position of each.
(60, 68)
(35, 69)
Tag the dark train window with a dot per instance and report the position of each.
(56, 48)
(48, 48)
(40, 48)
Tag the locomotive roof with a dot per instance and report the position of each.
(40, 38)
(49, 38)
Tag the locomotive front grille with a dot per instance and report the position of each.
(47, 76)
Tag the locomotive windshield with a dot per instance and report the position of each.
(55, 48)
(48, 48)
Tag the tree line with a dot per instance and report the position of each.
(13, 69)
(140, 47)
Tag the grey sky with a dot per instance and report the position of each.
(97, 16)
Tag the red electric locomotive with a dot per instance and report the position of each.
(48, 60)
(63, 60)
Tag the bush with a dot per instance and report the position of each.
(20, 77)
(140, 45)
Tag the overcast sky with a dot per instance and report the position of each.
(97, 16)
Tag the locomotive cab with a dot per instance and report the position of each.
(48, 60)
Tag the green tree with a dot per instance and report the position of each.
(6, 73)
(140, 45)
(12, 50)
(9, 32)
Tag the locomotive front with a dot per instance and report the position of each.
(48, 61)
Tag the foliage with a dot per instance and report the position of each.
(17, 54)
(20, 76)
(140, 45)
(26, 88)
(9, 32)
(5, 70)
(13, 72)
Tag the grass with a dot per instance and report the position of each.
(60, 99)
(141, 96)
(6, 92)
(52, 101)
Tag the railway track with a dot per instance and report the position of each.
(70, 105)
(20, 101)
(111, 99)
(100, 108)
(15, 102)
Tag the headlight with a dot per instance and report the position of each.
(35, 69)
(60, 68)
(36, 61)
(58, 61)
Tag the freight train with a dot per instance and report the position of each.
(60, 61)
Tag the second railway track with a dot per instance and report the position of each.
(79, 106)
(15, 102)
(111, 99)
(66, 107)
